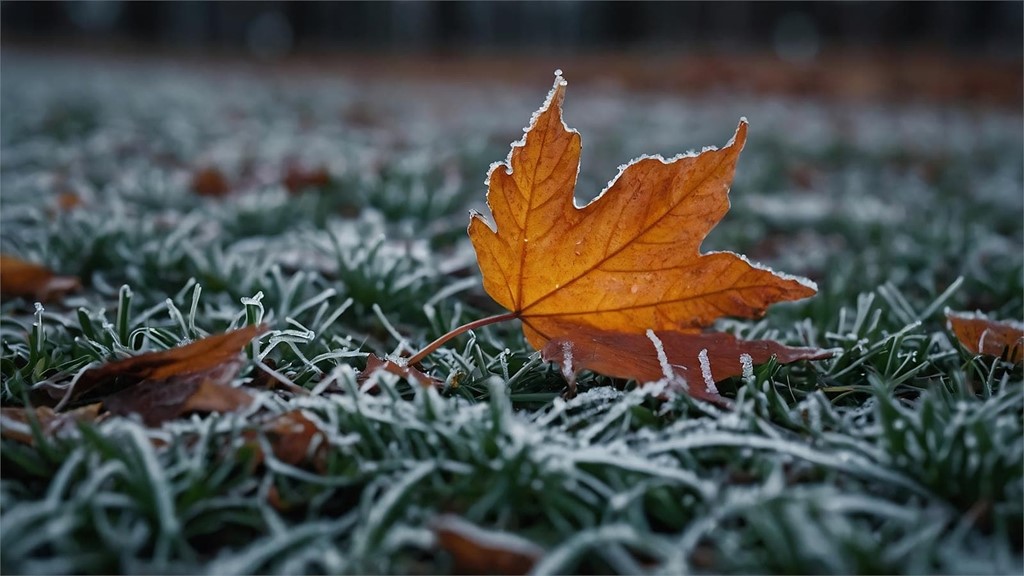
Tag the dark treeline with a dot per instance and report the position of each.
(277, 28)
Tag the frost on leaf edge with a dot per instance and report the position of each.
(666, 161)
(560, 83)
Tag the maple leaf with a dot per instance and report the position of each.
(700, 360)
(627, 262)
(981, 335)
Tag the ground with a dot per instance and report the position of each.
(337, 215)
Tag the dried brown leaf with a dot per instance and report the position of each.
(297, 178)
(209, 181)
(163, 385)
(981, 335)
(475, 550)
(15, 422)
(21, 279)
(157, 401)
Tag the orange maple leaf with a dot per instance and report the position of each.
(626, 263)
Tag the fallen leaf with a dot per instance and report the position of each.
(158, 401)
(210, 181)
(475, 550)
(170, 378)
(68, 201)
(375, 363)
(15, 422)
(980, 335)
(627, 262)
(295, 438)
(21, 279)
(698, 359)
(297, 178)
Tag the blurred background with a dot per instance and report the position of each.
(961, 51)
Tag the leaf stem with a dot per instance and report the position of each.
(461, 329)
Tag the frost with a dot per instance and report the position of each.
(748, 366)
(595, 395)
(798, 279)
(666, 368)
(567, 367)
(705, 371)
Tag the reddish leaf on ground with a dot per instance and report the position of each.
(21, 279)
(627, 262)
(15, 422)
(375, 363)
(475, 550)
(699, 360)
(210, 181)
(295, 439)
(190, 377)
(980, 335)
(297, 178)
(68, 201)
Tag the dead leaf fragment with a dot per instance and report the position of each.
(171, 377)
(698, 359)
(21, 279)
(158, 401)
(476, 550)
(297, 178)
(15, 422)
(625, 263)
(68, 201)
(981, 335)
(293, 435)
(210, 181)
(375, 363)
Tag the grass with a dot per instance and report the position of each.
(902, 454)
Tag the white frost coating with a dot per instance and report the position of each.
(666, 368)
(567, 369)
(748, 366)
(981, 339)
(807, 282)
(705, 371)
(507, 163)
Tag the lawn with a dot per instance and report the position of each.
(342, 226)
